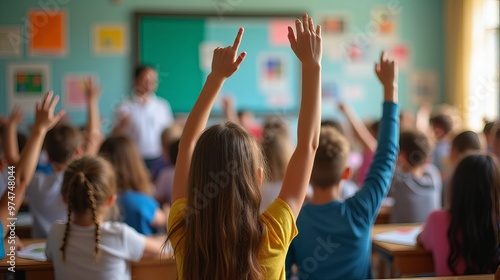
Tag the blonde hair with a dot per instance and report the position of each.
(87, 184)
(276, 147)
(222, 226)
(130, 169)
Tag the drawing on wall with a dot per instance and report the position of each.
(423, 87)
(273, 78)
(109, 39)
(334, 25)
(278, 32)
(74, 90)
(10, 41)
(26, 84)
(401, 53)
(385, 21)
(47, 33)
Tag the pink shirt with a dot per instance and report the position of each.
(434, 238)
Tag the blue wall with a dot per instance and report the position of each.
(421, 27)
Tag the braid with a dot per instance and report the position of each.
(97, 227)
(66, 233)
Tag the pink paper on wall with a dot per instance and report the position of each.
(278, 32)
(74, 90)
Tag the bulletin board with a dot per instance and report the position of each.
(180, 47)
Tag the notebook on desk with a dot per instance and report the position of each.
(34, 251)
(403, 236)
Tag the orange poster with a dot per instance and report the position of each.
(47, 32)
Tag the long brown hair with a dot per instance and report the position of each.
(222, 226)
(87, 184)
(131, 172)
(276, 147)
(473, 234)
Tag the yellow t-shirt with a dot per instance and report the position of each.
(281, 229)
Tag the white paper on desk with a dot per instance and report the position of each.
(33, 252)
(400, 236)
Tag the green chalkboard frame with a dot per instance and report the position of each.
(192, 89)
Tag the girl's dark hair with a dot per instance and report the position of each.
(473, 234)
(223, 230)
(87, 184)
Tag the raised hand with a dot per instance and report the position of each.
(16, 116)
(387, 71)
(306, 44)
(92, 90)
(44, 115)
(225, 61)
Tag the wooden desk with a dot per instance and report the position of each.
(399, 260)
(384, 215)
(464, 277)
(144, 269)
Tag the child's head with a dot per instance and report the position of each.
(414, 149)
(130, 169)
(276, 147)
(173, 151)
(487, 129)
(146, 78)
(442, 125)
(222, 225)
(169, 135)
(463, 143)
(373, 127)
(475, 211)
(245, 117)
(333, 123)
(331, 159)
(63, 144)
(88, 187)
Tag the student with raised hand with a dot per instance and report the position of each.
(464, 239)
(63, 143)
(334, 240)
(24, 169)
(215, 226)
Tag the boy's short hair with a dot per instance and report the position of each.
(169, 135)
(444, 121)
(333, 123)
(331, 158)
(416, 145)
(465, 141)
(61, 143)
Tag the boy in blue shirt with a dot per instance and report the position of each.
(334, 240)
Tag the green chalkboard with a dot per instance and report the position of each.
(266, 82)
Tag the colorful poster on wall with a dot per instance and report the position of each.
(423, 87)
(278, 32)
(74, 90)
(10, 41)
(385, 21)
(27, 83)
(109, 39)
(335, 25)
(47, 33)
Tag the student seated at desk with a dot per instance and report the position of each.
(86, 246)
(24, 169)
(416, 186)
(465, 238)
(63, 143)
(334, 239)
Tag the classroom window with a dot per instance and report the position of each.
(484, 73)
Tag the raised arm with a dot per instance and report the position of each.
(307, 46)
(366, 202)
(93, 134)
(224, 63)
(25, 168)
(229, 111)
(11, 147)
(362, 133)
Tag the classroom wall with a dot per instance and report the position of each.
(420, 27)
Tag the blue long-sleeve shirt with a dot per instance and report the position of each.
(334, 240)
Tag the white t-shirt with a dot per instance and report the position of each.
(147, 122)
(119, 245)
(45, 202)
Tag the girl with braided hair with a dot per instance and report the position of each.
(87, 246)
